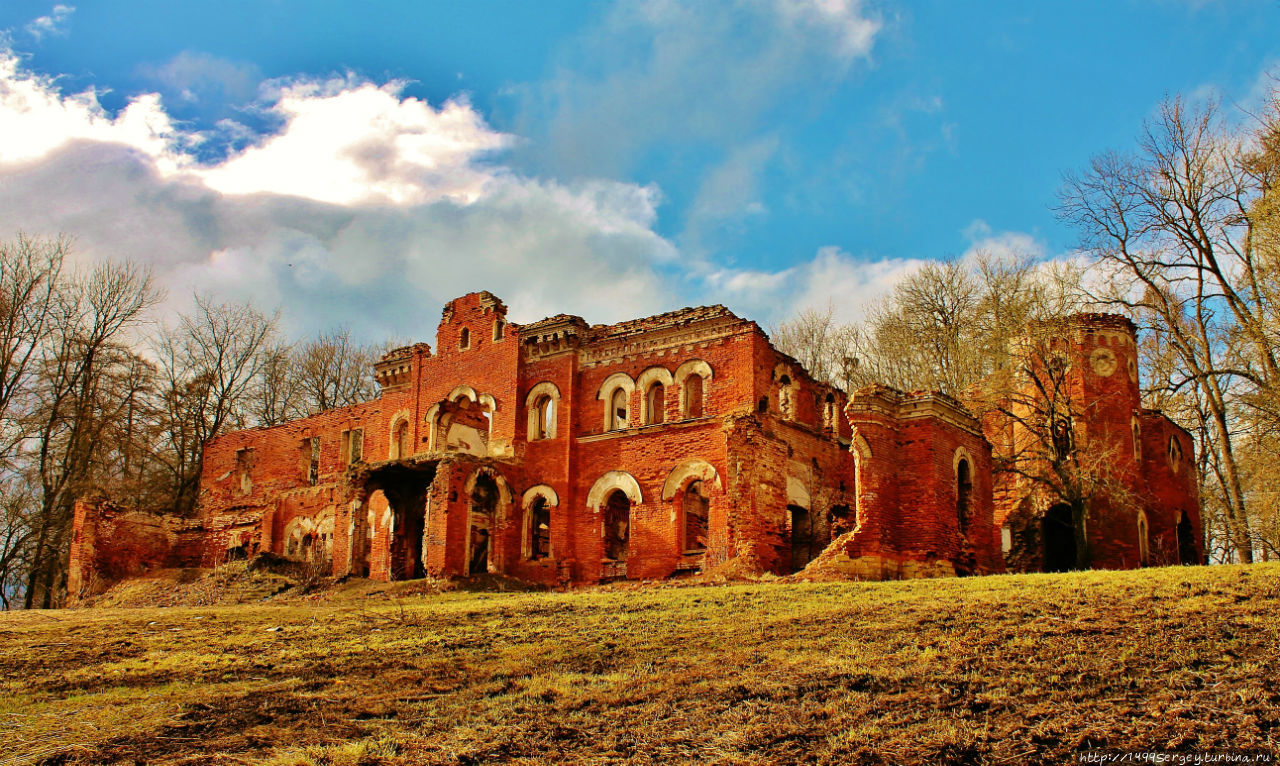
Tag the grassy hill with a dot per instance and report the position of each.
(996, 670)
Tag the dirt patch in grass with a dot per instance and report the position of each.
(996, 670)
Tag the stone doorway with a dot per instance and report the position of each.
(1059, 535)
(802, 547)
(1186, 541)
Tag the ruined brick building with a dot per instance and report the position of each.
(560, 452)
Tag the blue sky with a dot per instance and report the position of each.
(361, 164)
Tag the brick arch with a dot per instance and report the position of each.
(605, 394)
(543, 491)
(400, 416)
(644, 381)
(431, 418)
(463, 390)
(688, 471)
(611, 481)
(690, 367)
(505, 493)
(962, 454)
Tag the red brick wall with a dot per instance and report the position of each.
(903, 495)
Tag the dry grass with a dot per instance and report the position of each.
(997, 670)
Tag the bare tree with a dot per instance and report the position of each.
(208, 364)
(331, 371)
(823, 345)
(1174, 225)
(276, 394)
(74, 403)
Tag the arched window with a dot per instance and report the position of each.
(964, 492)
(484, 506)
(464, 339)
(401, 444)
(655, 403)
(618, 410)
(784, 397)
(693, 396)
(696, 510)
(1137, 438)
(498, 327)
(539, 515)
(544, 416)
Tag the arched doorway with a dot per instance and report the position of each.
(617, 533)
(801, 537)
(484, 505)
(1059, 534)
(617, 525)
(1186, 541)
(696, 509)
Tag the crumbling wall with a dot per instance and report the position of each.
(111, 542)
(916, 517)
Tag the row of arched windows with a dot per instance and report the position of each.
(655, 385)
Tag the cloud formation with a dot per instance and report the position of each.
(366, 208)
(53, 24)
(371, 209)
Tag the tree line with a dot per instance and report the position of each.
(1181, 234)
(101, 396)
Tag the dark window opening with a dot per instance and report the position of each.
(763, 406)
(964, 493)
(352, 446)
(617, 525)
(655, 403)
(1063, 438)
(498, 329)
(244, 465)
(801, 537)
(539, 530)
(464, 339)
(311, 460)
(697, 508)
(693, 396)
(1059, 533)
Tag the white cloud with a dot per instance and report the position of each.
(371, 209)
(833, 277)
(35, 120)
(850, 32)
(53, 24)
(366, 208)
(348, 143)
(1002, 245)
